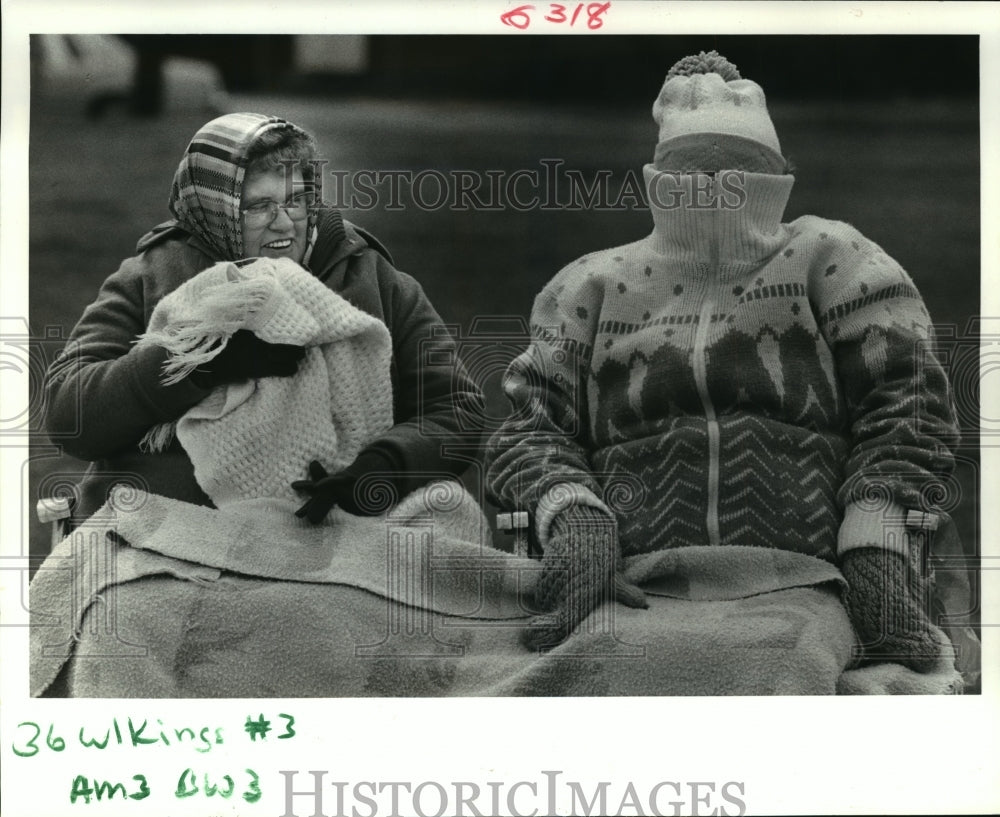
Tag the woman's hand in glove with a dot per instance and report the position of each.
(247, 357)
(579, 573)
(887, 603)
(326, 490)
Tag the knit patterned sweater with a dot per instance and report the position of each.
(728, 380)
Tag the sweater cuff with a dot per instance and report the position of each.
(888, 528)
(167, 403)
(561, 497)
(375, 459)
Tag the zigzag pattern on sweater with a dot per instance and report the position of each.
(672, 471)
(774, 483)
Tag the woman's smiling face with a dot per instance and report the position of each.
(283, 237)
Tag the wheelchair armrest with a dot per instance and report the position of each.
(518, 523)
(57, 511)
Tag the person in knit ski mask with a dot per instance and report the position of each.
(243, 190)
(750, 382)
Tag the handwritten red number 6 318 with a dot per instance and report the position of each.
(519, 17)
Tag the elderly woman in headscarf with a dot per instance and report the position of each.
(245, 189)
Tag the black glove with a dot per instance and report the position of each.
(579, 573)
(887, 602)
(247, 357)
(326, 490)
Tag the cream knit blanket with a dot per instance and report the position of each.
(251, 440)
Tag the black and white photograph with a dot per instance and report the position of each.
(498, 408)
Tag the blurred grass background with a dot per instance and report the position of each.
(902, 165)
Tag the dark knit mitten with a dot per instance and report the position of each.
(579, 573)
(247, 357)
(887, 602)
(345, 488)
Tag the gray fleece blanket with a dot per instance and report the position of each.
(157, 598)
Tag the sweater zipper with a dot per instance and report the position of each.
(701, 380)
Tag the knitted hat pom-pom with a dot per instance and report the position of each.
(705, 63)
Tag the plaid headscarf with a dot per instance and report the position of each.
(205, 195)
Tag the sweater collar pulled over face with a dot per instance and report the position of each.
(730, 221)
(207, 187)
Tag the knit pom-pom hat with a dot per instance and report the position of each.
(705, 94)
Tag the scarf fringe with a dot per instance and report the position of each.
(158, 438)
(218, 313)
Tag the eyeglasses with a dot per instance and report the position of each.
(264, 212)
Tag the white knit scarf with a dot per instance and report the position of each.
(250, 440)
